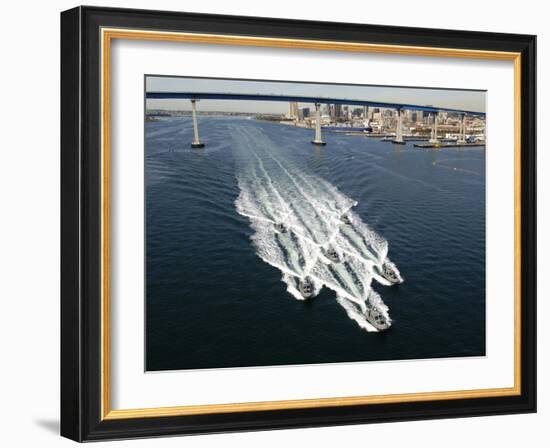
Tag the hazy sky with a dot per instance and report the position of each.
(455, 99)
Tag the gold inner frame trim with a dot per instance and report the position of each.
(107, 35)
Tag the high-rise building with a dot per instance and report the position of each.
(292, 110)
(346, 112)
(337, 111)
(370, 113)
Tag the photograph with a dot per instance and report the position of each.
(297, 223)
(271, 222)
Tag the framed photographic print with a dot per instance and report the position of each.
(273, 224)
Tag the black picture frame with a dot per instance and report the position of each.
(81, 224)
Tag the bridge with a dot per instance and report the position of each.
(317, 101)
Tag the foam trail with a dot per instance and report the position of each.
(273, 192)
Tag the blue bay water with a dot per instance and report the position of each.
(212, 302)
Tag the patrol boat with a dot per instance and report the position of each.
(377, 319)
(332, 255)
(389, 272)
(280, 227)
(345, 219)
(306, 288)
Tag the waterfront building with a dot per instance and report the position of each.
(292, 110)
(337, 111)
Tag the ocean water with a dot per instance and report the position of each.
(222, 283)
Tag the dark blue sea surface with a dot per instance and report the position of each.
(212, 302)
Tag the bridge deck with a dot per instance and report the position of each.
(302, 99)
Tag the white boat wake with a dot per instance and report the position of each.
(307, 229)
